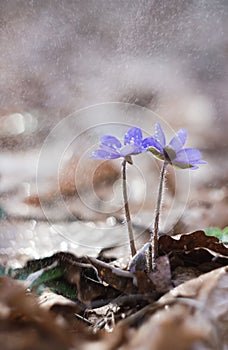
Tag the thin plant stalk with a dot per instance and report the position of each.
(127, 211)
(153, 255)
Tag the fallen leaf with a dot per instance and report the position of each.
(24, 325)
(68, 183)
(191, 241)
(115, 277)
(192, 315)
(67, 274)
(161, 277)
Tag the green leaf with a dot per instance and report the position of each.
(44, 276)
(155, 152)
(62, 287)
(3, 271)
(221, 234)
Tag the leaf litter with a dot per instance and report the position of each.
(69, 302)
(80, 302)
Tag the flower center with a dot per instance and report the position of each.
(170, 154)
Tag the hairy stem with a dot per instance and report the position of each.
(154, 236)
(127, 211)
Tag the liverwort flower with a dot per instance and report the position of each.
(175, 155)
(111, 148)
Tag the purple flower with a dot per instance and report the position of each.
(173, 153)
(111, 148)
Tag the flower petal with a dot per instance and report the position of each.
(133, 135)
(188, 156)
(110, 141)
(102, 154)
(200, 162)
(159, 135)
(152, 142)
(130, 149)
(178, 140)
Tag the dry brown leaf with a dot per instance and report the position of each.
(115, 277)
(104, 173)
(190, 241)
(202, 260)
(69, 310)
(158, 280)
(182, 274)
(78, 273)
(24, 325)
(139, 281)
(193, 315)
(67, 184)
(161, 278)
(48, 300)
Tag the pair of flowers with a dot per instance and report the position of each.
(173, 153)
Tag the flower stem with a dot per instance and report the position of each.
(154, 236)
(127, 211)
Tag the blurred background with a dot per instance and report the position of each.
(167, 59)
